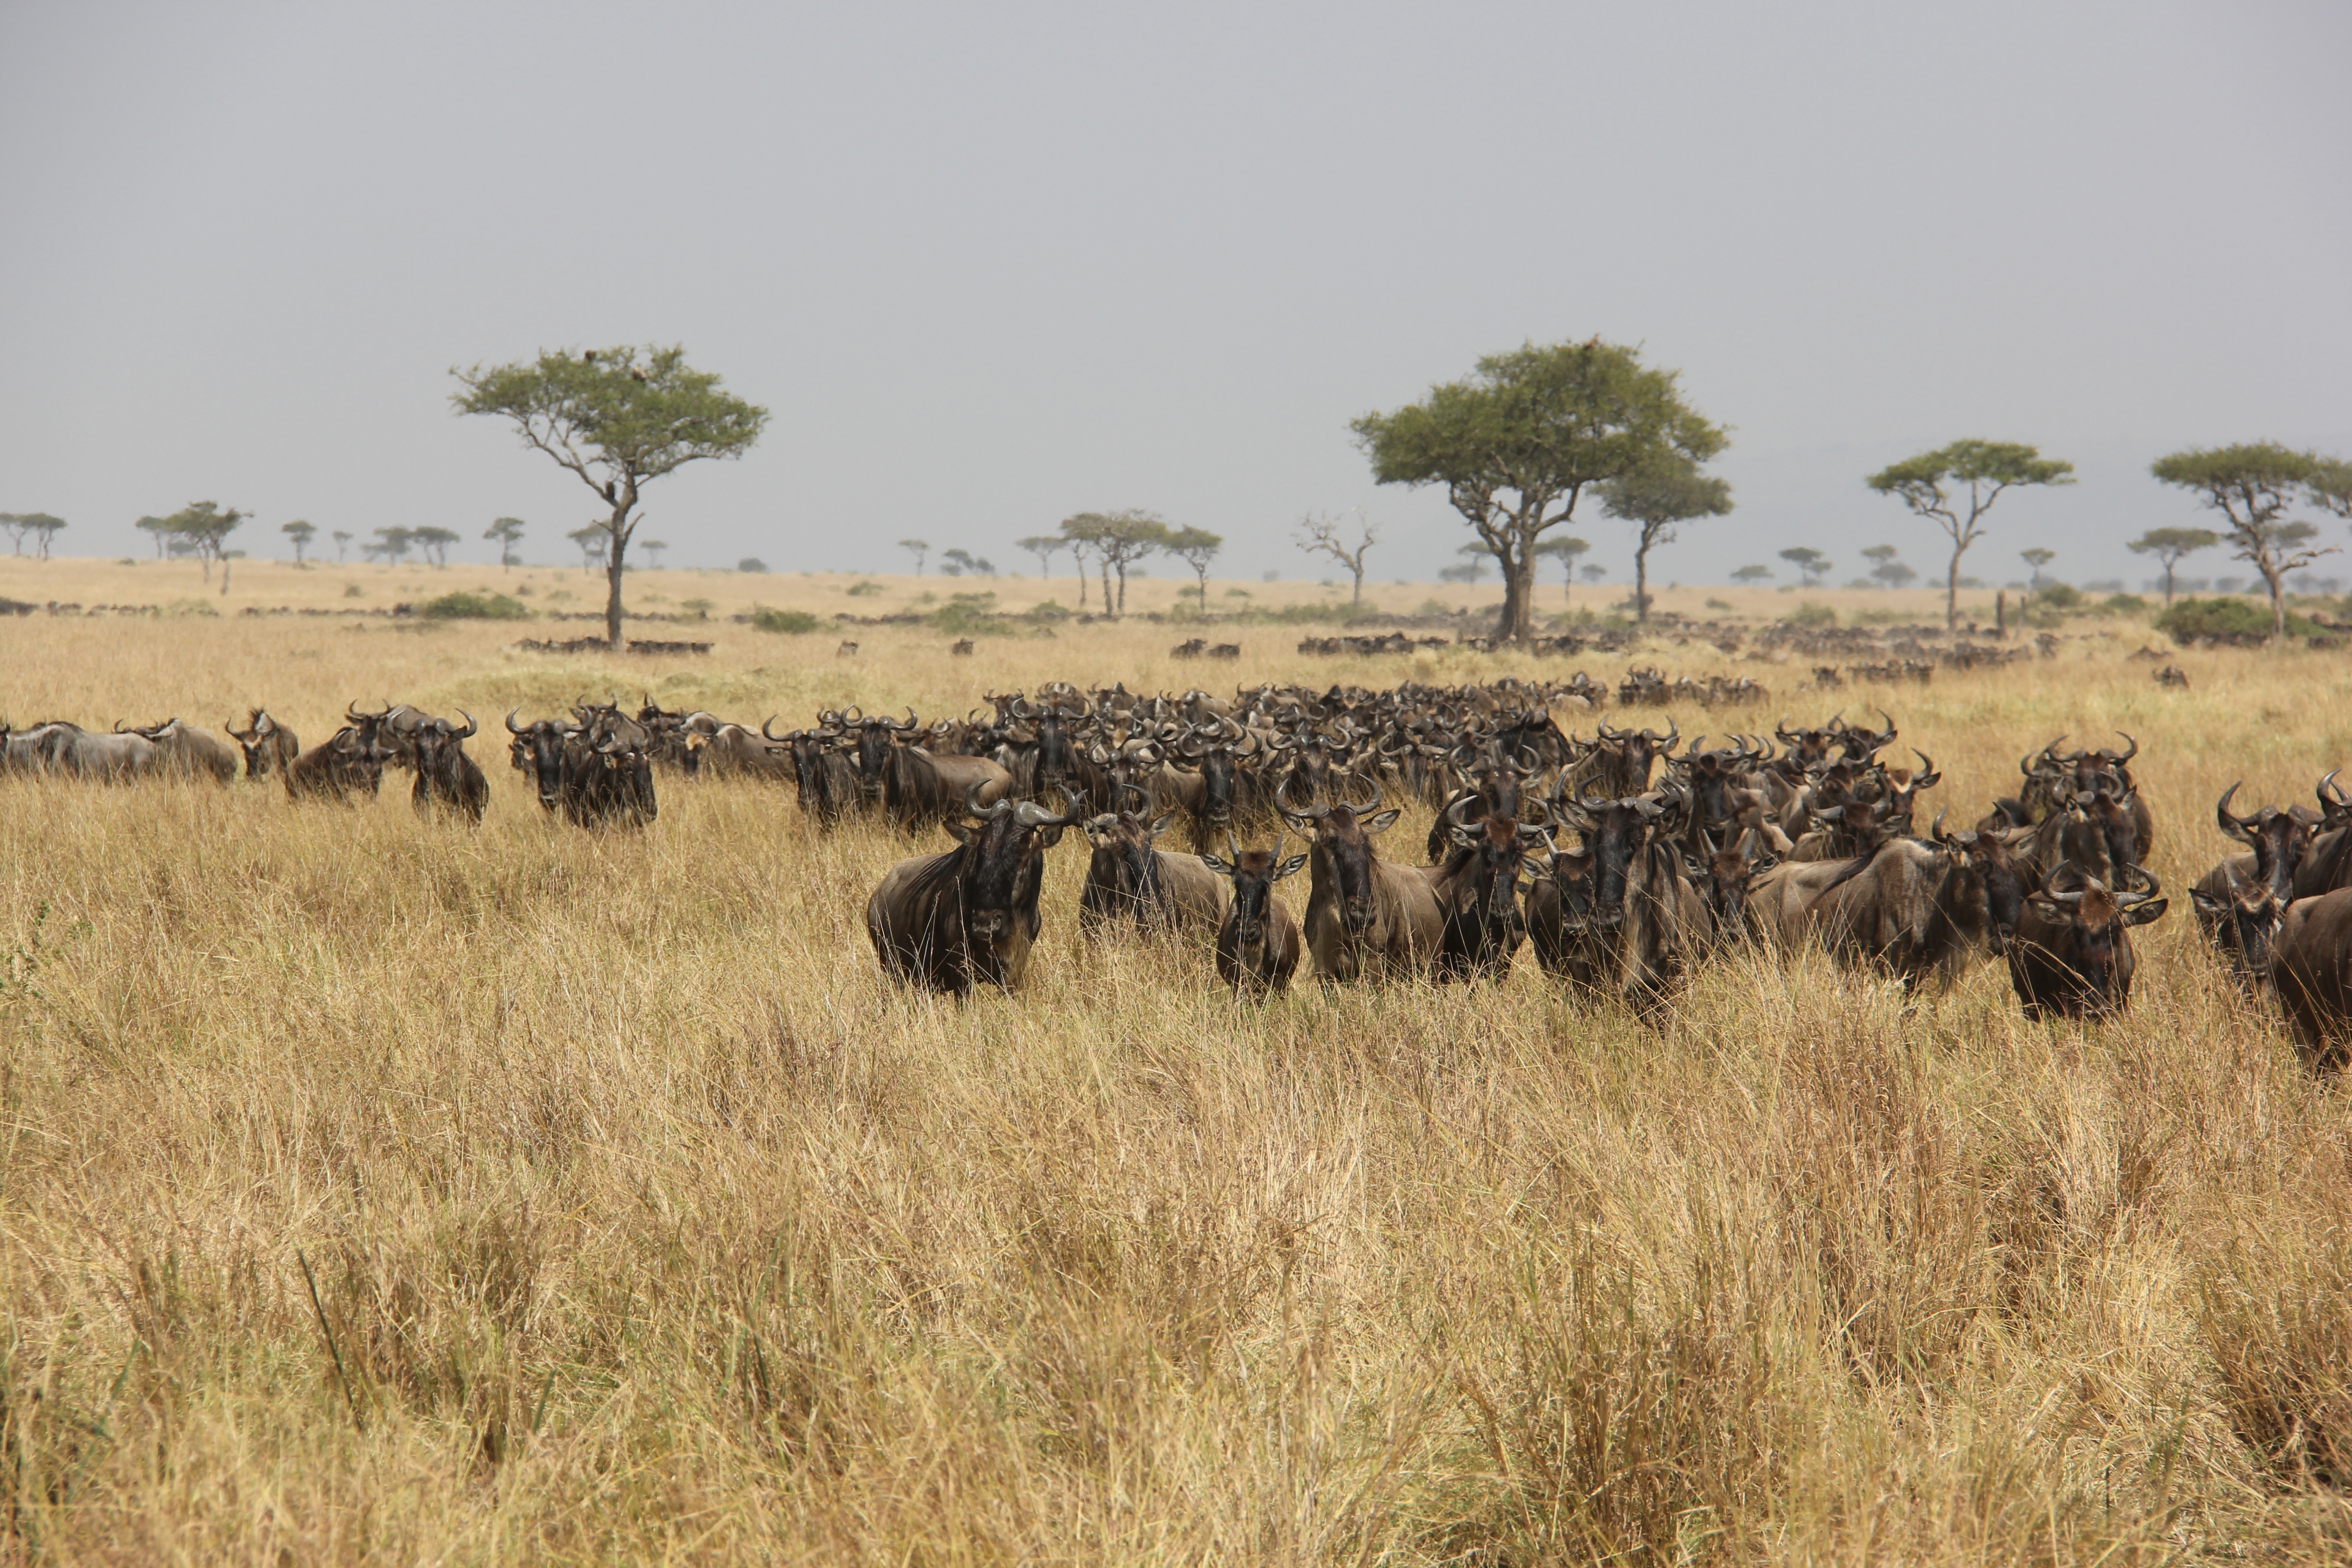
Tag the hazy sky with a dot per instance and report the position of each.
(990, 266)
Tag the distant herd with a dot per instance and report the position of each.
(1622, 860)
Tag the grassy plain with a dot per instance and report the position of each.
(376, 1190)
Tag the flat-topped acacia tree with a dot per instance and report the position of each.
(1928, 484)
(618, 418)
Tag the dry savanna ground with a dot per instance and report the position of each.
(380, 1190)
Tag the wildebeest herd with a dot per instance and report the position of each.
(1622, 860)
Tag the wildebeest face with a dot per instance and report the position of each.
(538, 750)
(1124, 859)
(2095, 921)
(1499, 844)
(2245, 925)
(1726, 871)
(1253, 874)
(1615, 834)
(1349, 841)
(1001, 870)
(2277, 837)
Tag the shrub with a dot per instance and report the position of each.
(1051, 610)
(1809, 614)
(788, 621)
(970, 615)
(2239, 619)
(751, 563)
(864, 589)
(2059, 596)
(464, 606)
(2123, 604)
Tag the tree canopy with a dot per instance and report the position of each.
(618, 419)
(1519, 441)
(1196, 548)
(40, 526)
(1118, 540)
(300, 532)
(506, 533)
(204, 525)
(1811, 564)
(1927, 484)
(2170, 545)
(2252, 484)
(1654, 497)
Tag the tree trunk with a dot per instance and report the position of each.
(1517, 618)
(2168, 585)
(1082, 582)
(617, 549)
(1642, 581)
(1106, 608)
(1357, 602)
(1952, 591)
(2275, 579)
(1122, 588)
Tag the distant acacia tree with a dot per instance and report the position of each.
(653, 549)
(1318, 534)
(342, 542)
(1886, 567)
(2169, 546)
(1811, 564)
(1118, 540)
(435, 542)
(619, 419)
(919, 549)
(1564, 548)
(300, 533)
(206, 527)
(506, 533)
(44, 529)
(1519, 441)
(393, 544)
(593, 540)
(156, 528)
(2252, 485)
(1653, 496)
(1044, 546)
(1595, 573)
(1751, 574)
(2036, 559)
(15, 524)
(1987, 468)
(1196, 548)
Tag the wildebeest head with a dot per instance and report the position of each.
(1343, 834)
(2244, 922)
(1725, 869)
(1217, 751)
(1253, 874)
(538, 749)
(1124, 860)
(2277, 837)
(1057, 747)
(998, 874)
(1716, 778)
(1616, 834)
(876, 736)
(2094, 919)
(433, 741)
(257, 739)
(1489, 857)
(1626, 753)
(1980, 856)
(1859, 742)
(1803, 749)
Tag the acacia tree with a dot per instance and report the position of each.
(2330, 485)
(1044, 546)
(156, 528)
(919, 549)
(1196, 548)
(653, 549)
(16, 526)
(206, 527)
(619, 419)
(2251, 485)
(342, 542)
(1519, 441)
(1987, 468)
(435, 542)
(506, 533)
(1811, 564)
(43, 529)
(300, 533)
(2034, 560)
(593, 540)
(1117, 539)
(393, 544)
(1564, 548)
(1654, 497)
(2168, 546)
(1320, 535)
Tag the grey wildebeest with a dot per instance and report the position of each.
(1918, 911)
(2311, 969)
(2072, 954)
(969, 916)
(61, 747)
(1365, 918)
(1617, 917)
(194, 753)
(347, 763)
(270, 747)
(1130, 880)
(1258, 944)
(447, 779)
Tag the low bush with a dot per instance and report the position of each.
(787, 621)
(464, 606)
(2124, 604)
(971, 615)
(2239, 620)
(1811, 615)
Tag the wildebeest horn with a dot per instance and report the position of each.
(2332, 796)
(512, 727)
(1030, 814)
(2130, 750)
(770, 734)
(467, 733)
(2232, 826)
(973, 807)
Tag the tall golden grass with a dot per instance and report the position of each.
(381, 1190)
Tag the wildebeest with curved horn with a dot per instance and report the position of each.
(1258, 944)
(1916, 910)
(194, 753)
(2311, 969)
(2239, 902)
(1129, 880)
(2072, 954)
(347, 763)
(825, 783)
(1477, 891)
(537, 750)
(1618, 916)
(270, 747)
(447, 779)
(949, 921)
(1364, 916)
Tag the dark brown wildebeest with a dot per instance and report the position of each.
(538, 750)
(194, 753)
(1215, 778)
(1616, 766)
(1493, 785)
(1365, 918)
(1623, 919)
(346, 764)
(962, 648)
(1723, 873)
(1191, 648)
(2239, 903)
(824, 780)
(2072, 954)
(1258, 944)
(608, 771)
(270, 747)
(949, 921)
(1226, 650)
(1127, 880)
(919, 788)
(447, 779)
(2311, 969)
(2053, 778)
(1477, 891)
(1916, 910)
(2327, 864)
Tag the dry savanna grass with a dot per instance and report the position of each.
(380, 1190)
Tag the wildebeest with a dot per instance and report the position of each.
(537, 749)
(1364, 918)
(1127, 880)
(824, 779)
(2311, 969)
(608, 775)
(2327, 864)
(1917, 910)
(1616, 764)
(1618, 917)
(66, 748)
(1477, 891)
(2239, 903)
(1722, 872)
(195, 753)
(1258, 944)
(347, 763)
(2072, 954)
(270, 747)
(447, 779)
(949, 921)
(919, 788)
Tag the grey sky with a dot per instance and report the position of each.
(990, 266)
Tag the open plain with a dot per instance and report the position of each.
(378, 1189)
